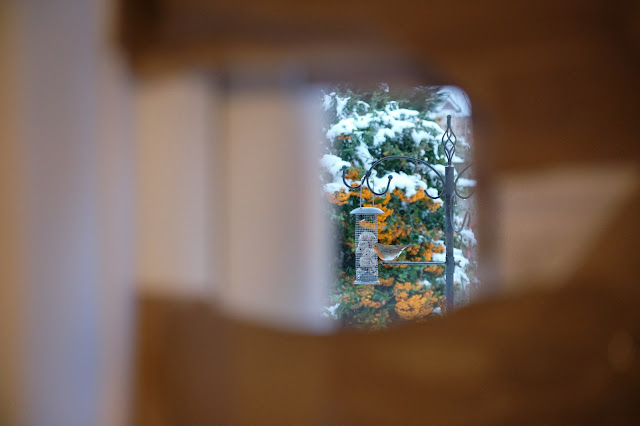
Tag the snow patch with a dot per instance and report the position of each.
(327, 101)
(334, 164)
(333, 187)
(341, 104)
(363, 154)
(468, 237)
(363, 121)
(435, 129)
(410, 184)
(364, 105)
(466, 183)
(399, 125)
(432, 192)
(382, 135)
(438, 257)
(330, 311)
(343, 127)
(419, 136)
(403, 114)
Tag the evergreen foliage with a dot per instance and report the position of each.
(368, 126)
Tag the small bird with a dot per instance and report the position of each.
(371, 226)
(388, 252)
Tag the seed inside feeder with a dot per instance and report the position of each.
(366, 237)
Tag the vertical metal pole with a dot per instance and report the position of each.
(448, 235)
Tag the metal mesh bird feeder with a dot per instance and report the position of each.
(366, 237)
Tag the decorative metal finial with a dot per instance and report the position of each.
(449, 140)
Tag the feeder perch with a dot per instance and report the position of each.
(366, 237)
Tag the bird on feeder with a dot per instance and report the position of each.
(371, 226)
(388, 252)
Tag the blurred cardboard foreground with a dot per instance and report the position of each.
(568, 356)
(117, 204)
(554, 90)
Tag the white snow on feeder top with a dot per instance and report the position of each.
(367, 210)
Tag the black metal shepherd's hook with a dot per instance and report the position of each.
(448, 195)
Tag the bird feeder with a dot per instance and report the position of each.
(366, 237)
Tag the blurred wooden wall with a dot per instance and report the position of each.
(550, 70)
(553, 83)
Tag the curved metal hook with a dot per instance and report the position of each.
(455, 184)
(402, 157)
(466, 220)
(374, 192)
(464, 197)
(344, 169)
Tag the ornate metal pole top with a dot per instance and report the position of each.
(449, 140)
